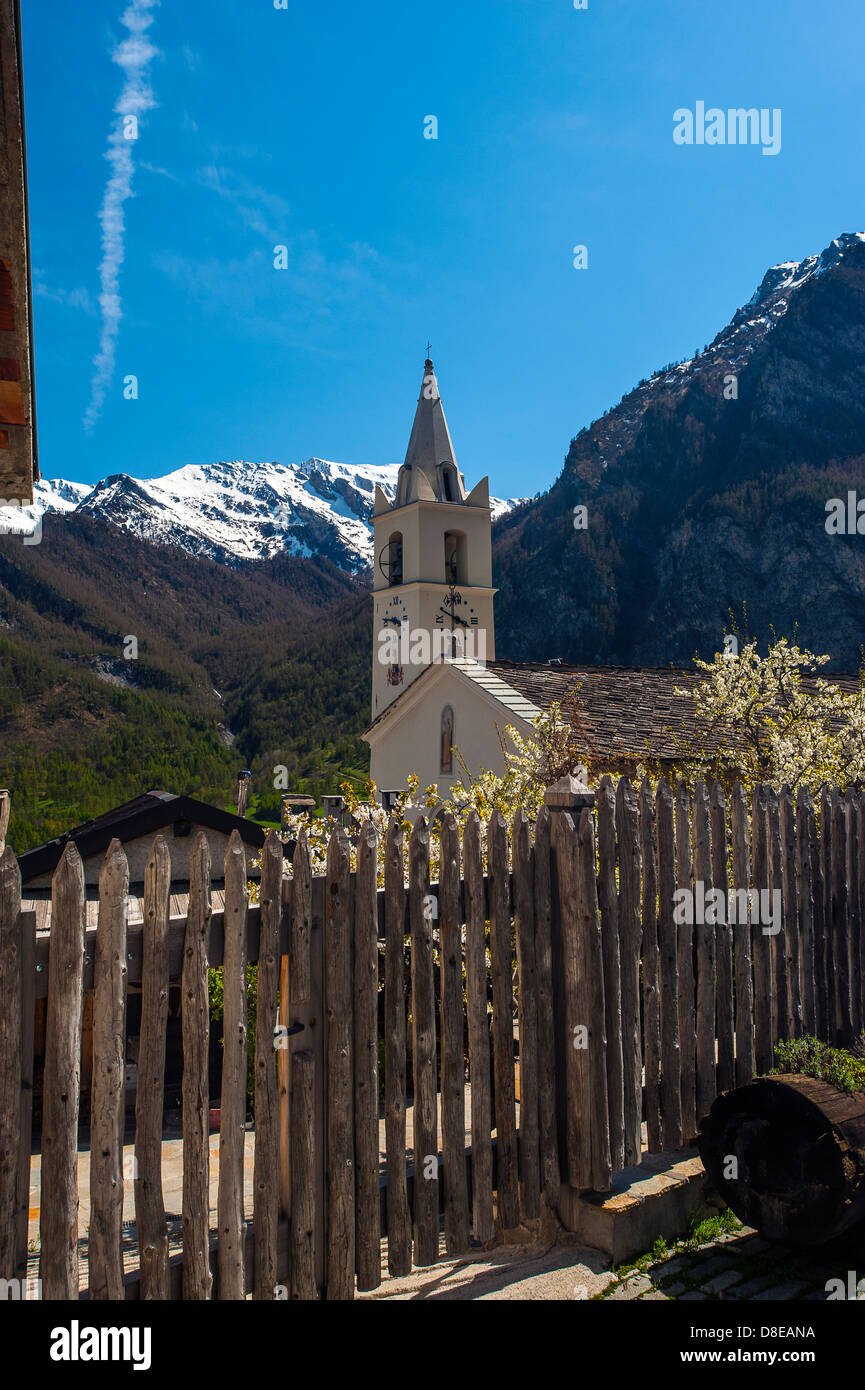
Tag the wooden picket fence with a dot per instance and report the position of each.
(546, 969)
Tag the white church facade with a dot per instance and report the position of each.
(438, 699)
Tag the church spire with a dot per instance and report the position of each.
(430, 448)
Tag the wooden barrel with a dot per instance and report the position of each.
(799, 1151)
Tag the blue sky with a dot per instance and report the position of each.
(304, 127)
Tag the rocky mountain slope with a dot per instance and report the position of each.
(706, 491)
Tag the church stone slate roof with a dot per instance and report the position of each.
(629, 713)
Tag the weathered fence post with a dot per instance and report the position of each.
(456, 1201)
(232, 1119)
(398, 1215)
(687, 1017)
(524, 926)
(197, 1279)
(340, 1073)
(760, 942)
(609, 905)
(575, 1039)
(842, 1030)
(266, 1162)
(306, 1137)
(777, 941)
(479, 1033)
(10, 1057)
(805, 898)
(149, 1099)
(630, 937)
(426, 1207)
(507, 1187)
(5, 807)
(104, 1250)
(58, 1262)
(853, 916)
(723, 940)
(704, 941)
(791, 913)
(671, 1057)
(550, 1174)
(367, 1236)
(823, 945)
(651, 971)
(744, 981)
(592, 991)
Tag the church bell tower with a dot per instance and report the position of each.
(432, 592)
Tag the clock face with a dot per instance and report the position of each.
(463, 613)
(394, 613)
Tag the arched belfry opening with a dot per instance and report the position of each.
(393, 558)
(455, 557)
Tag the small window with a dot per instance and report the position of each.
(393, 554)
(446, 759)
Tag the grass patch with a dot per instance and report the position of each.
(810, 1057)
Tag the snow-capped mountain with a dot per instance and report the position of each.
(236, 512)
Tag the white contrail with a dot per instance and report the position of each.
(134, 55)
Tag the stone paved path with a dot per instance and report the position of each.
(741, 1265)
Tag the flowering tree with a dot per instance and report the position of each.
(531, 765)
(756, 721)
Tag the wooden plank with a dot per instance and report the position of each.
(823, 924)
(5, 808)
(805, 901)
(426, 1204)
(232, 1127)
(685, 953)
(609, 905)
(456, 1199)
(302, 1234)
(860, 832)
(104, 1248)
(150, 1095)
(339, 996)
(398, 1215)
(265, 1209)
(296, 1006)
(742, 937)
(479, 1034)
(524, 927)
(593, 994)
(305, 928)
(501, 952)
(630, 938)
(704, 939)
(27, 924)
(760, 942)
(724, 1025)
(196, 1047)
(577, 1116)
(843, 1024)
(671, 1058)
(550, 1175)
(780, 989)
(58, 1229)
(283, 1070)
(315, 1016)
(789, 886)
(651, 971)
(854, 923)
(367, 1240)
(11, 1038)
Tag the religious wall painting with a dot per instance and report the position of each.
(446, 760)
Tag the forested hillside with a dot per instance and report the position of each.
(234, 668)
